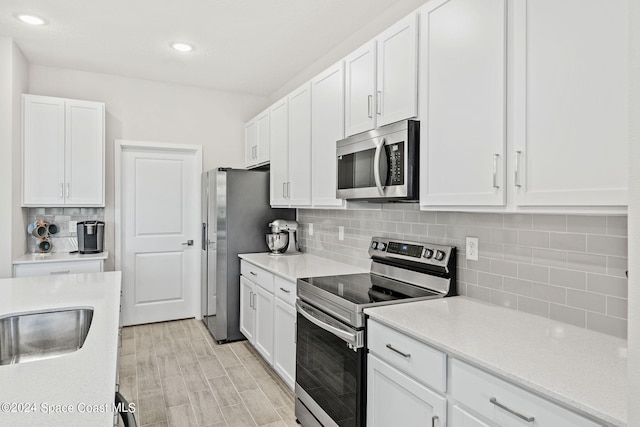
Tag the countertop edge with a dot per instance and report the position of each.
(554, 397)
(36, 258)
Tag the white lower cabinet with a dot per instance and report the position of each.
(395, 399)
(57, 268)
(268, 318)
(412, 383)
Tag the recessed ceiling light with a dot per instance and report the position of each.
(182, 47)
(31, 19)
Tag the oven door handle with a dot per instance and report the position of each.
(376, 166)
(351, 337)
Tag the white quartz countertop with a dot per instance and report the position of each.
(579, 368)
(79, 380)
(58, 257)
(292, 267)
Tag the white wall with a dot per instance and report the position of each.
(13, 81)
(634, 219)
(394, 13)
(152, 111)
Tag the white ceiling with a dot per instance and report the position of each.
(250, 46)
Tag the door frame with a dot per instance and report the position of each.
(120, 145)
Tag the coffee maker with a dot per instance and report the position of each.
(90, 237)
(283, 237)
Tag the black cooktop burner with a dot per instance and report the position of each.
(365, 288)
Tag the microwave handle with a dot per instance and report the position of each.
(376, 166)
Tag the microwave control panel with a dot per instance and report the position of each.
(396, 166)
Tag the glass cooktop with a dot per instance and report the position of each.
(366, 288)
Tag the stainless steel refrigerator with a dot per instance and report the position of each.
(235, 218)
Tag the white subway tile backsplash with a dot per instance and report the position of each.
(568, 242)
(607, 245)
(569, 268)
(587, 224)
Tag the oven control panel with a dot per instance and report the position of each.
(424, 253)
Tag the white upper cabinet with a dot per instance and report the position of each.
(279, 149)
(250, 142)
(462, 109)
(360, 69)
(299, 183)
(327, 127)
(397, 72)
(256, 140)
(381, 78)
(63, 152)
(570, 102)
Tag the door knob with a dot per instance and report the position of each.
(188, 243)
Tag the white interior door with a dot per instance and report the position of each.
(160, 196)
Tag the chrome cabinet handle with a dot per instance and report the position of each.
(286, 291)
(254, 301)
(407, 355)
(376, 166)
(288, 189)
(378, 102)
(61, 190)
(369, 101)
(187, 243)
(251, 299)
(67, 189)
(517, 169)
(59, 272)
(434, 419)
(253, 274)
(284, 190)
(495, 170)
(511, 411)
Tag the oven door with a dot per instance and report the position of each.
(379, 165)
(330, 369)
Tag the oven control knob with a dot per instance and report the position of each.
(374, 245)
(382, 246)
(428, 253)
(439, 256)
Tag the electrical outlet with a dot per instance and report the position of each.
(341, 232)
(472, 248)
(311, 229)
(73, 226)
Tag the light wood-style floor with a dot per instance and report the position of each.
(178, 376)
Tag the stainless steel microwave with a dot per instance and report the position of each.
(380, 165)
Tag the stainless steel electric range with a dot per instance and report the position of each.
(330, 350)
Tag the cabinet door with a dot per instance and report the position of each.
(397, 72)
(394, 399)
(263, 305)
(247, 311)
(284, 351)
(462, 92)
(250, 143)
(327, 127)
(299, 184)
(360, 86)
(571, 102)
(262, 150)
(461, 418)
(279, 152)
(84, 154)
(43, 151)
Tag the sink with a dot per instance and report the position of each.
(38, 335)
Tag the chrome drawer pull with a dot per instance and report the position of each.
(286, 291)
(511, 411)
(253, 274)
(407, 355)
(59, 272)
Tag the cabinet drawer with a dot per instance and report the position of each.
(505, 403)
(52, 268)
(257, 275)
(285, 290)
(409, 355)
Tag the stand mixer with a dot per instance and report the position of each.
(282, 239)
